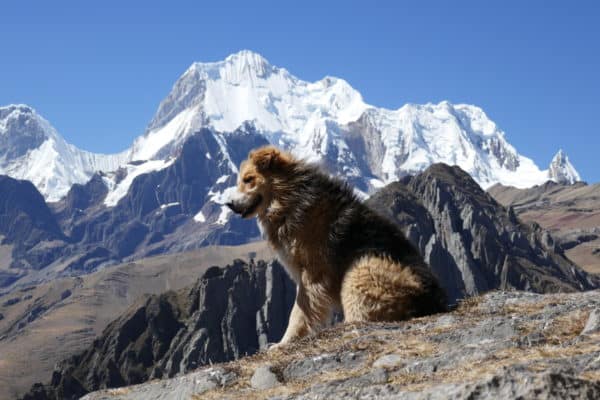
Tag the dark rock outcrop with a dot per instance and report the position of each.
(26, 222)
(473, 243)
(21, 134)
(229, 313)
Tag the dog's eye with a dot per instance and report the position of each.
(248, 179)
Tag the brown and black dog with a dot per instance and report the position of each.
(341, 254)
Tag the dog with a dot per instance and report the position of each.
(341, 254)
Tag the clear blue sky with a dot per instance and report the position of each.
(97, 70)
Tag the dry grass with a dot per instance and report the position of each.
(468, 305)
(345, 338)
(566, 327)
(591, 375)
(529, 308)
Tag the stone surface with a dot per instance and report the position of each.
(264, 378)
(475, 352)
(389, 360)
(593, 323)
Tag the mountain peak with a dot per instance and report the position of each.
(235, 68)
(561, 170)
(247, 57)
(31, 149)
(10, 108)
(21, 129)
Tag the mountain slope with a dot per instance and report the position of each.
(570, 212)
(26, 223)
(177, 208)
(31, 149)
(501, 346)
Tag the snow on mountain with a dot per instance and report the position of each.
(325, 121)
(561, 170)
(328, 121)
(31, 149)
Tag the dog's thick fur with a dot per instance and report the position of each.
(341, 254)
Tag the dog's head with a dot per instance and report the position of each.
(255, 180)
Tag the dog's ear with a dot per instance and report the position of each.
(270, 158)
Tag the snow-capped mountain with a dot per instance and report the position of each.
(31, 149)
(561, 170)
(328, 121)
(325, 121)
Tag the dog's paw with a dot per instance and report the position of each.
(276, 346)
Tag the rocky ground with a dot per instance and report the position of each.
(502, 345)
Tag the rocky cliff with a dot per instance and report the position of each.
(229, 313)
(25, 223)
(473, 243)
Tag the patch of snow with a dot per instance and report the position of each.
(163, 206)
(223, 215)
(561, 170)
(224, 196)
(222, 179)
(120, 189)
(200, 217)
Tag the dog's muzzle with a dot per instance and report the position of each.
(245, 207)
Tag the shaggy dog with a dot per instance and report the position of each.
(341, 254)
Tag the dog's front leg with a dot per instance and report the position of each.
(309, 313)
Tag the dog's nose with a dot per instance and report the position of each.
(230, 205)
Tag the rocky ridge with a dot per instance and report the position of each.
(473, 243)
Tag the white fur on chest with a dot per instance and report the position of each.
(286, 256)
(285, 253)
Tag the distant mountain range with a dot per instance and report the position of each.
(165, 194)
(325, 121)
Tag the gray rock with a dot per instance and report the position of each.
(593, 323)
(264, 378)
(389, 360)
(322, 363)
(184, 387)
